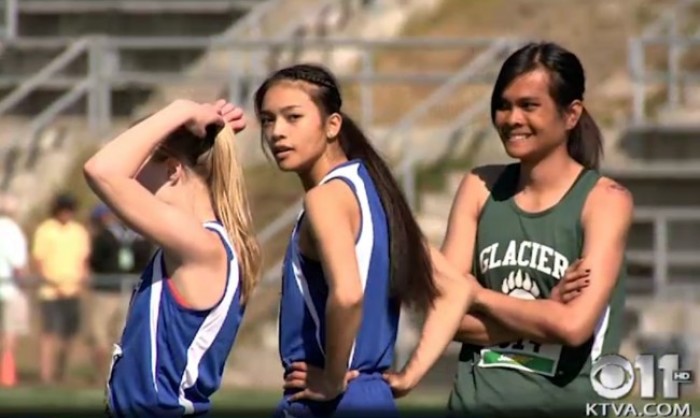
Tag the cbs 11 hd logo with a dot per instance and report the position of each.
(613, 376)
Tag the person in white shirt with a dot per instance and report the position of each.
(14, 308)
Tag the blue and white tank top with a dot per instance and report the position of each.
(170, 359)
(302, 322)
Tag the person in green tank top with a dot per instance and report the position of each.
(520, 229)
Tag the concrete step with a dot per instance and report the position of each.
(491, 151)
(657, 143)
(392, 14)
(53, 28)
(426, 143)
(124, 99)
(682, 234)
(680, 258)
(684, 115)
(39, 172)
(660, 185)
(175, 18)
(39, 182)
(269, 25)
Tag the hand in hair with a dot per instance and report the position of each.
(201, 117)
(233, 115)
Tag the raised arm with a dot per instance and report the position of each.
(332, 211)
(112, 171)
(606, 220)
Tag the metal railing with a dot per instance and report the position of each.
(294, 33)
(661, 257)
(100, 60)
(155, 6)
(8, 24)
(668, 31)
(104, 74)
(90, 84)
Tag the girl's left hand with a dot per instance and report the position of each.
(233, 115)
(399, 383)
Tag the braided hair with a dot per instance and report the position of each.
(411, 268)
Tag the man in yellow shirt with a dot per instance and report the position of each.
(61, 250)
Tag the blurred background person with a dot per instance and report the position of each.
(117, 255)
(14, 308)
(60, 252)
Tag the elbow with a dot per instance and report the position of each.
(347, 299)
(96, 171)
(96, 175)
(92, 171)
(456, 291)
(572, 333)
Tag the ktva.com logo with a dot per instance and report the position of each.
(613, 377)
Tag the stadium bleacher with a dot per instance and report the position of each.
(47, 27)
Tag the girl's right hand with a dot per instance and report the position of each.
(312, 383)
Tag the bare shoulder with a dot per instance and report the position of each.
(609, 192)
(334, 195)
(610, 198)
(477, 184)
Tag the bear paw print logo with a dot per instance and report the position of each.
(519, 284)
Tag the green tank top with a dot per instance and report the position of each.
(524, 255)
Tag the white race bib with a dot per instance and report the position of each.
(524, 355)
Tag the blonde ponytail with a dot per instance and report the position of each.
(230, 202)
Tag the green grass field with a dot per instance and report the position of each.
(56, 398)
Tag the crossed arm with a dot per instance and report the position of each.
(496, 318)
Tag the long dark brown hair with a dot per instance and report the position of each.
(411, 268)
